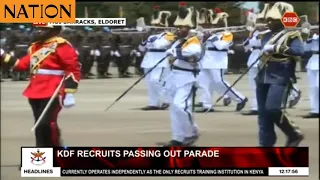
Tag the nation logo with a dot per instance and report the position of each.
(37, 158)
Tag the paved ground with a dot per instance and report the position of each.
(123, 125)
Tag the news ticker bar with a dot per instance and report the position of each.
(92, 22)
(271, 171)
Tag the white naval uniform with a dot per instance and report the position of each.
(155, 47)
(213, 65)
(181, 87)
(313, 73)
(254, 45)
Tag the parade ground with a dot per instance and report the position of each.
(125, 125)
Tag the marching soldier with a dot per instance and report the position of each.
(155, 47)
(85, 56)
(277, 68)
(51, 61)
(94, 52)
(184, 55)
(214, 64)
(118, 57)
(105, 59)
(313, 75)
(126, 49)
(253, 44)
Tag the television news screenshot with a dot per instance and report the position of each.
(159, 90)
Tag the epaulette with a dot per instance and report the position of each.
(170, 36)
(191, 40)
(294, 34)
(227, 33)
(227, 36)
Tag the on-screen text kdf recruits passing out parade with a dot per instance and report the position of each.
(201, 47)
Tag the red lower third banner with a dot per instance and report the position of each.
(174, 161)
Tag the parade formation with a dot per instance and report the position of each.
(178, 64)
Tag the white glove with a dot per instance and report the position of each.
(68, 101)
(111, 53)
(268, 48)
(231, 51)
(133, 52)
(116, 53)
(138, 54)
(2, 52)
(97, 52)
(91, 52)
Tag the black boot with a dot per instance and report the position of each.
(173, 143)
(226, 101)
(190, 140)
(250, 113)
(241, 105)
(311, 116)
(205, 110)
(287, 126)
(151, 108)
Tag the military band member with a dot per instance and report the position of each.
(214, 64)
(50, 59)
(184, 55)
(313, 75)
(155, 47)
(277, 68)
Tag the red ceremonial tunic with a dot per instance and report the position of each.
(48, 64)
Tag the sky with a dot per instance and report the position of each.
(252, 4)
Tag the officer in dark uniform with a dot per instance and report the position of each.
(107, 52)
(77, 41)
(5, 70)
(138, 55)
(126, 48)
(18, 47)
(275, 78)
(120, 53)
(103, 61)
(85, 55)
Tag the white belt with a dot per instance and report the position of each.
(50, 72)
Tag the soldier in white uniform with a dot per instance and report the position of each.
(155, 47)
(313, 75)
(203, 20)
(214, 64)
(253, 44)
(183, 57)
